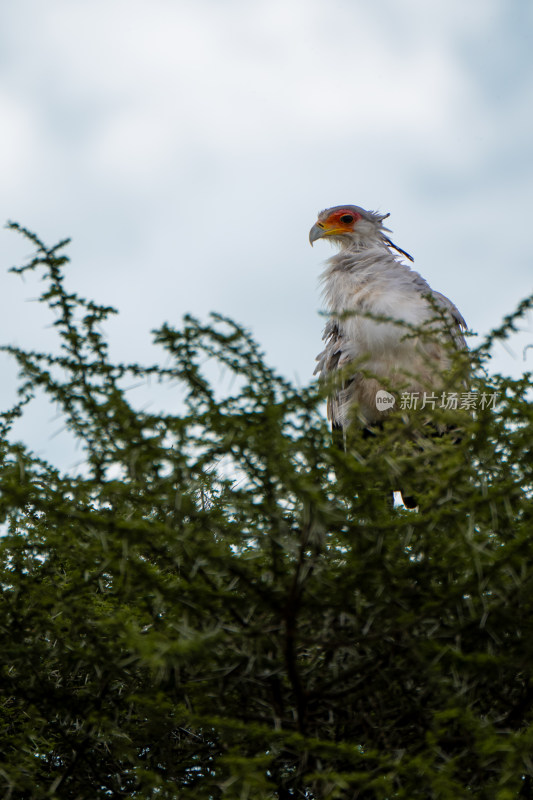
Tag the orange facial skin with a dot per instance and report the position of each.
(340, 220)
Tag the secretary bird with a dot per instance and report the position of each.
(384, 318)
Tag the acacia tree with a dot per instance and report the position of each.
(223, 604)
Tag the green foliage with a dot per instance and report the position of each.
(224, 604)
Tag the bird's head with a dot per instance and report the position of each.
(351, 225)
(346, 224)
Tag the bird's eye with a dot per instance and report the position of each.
(347, 218)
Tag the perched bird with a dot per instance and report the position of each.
(374, 302)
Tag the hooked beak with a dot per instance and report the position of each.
(316, 232)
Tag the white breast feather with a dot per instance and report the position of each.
(373, 282)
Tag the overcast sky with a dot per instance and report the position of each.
(187, 145)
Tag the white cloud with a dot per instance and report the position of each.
(187, 144)
(251, 76)
(18, 139)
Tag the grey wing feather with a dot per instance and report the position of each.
(456, 320)
(458, 324)
(333, 357)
